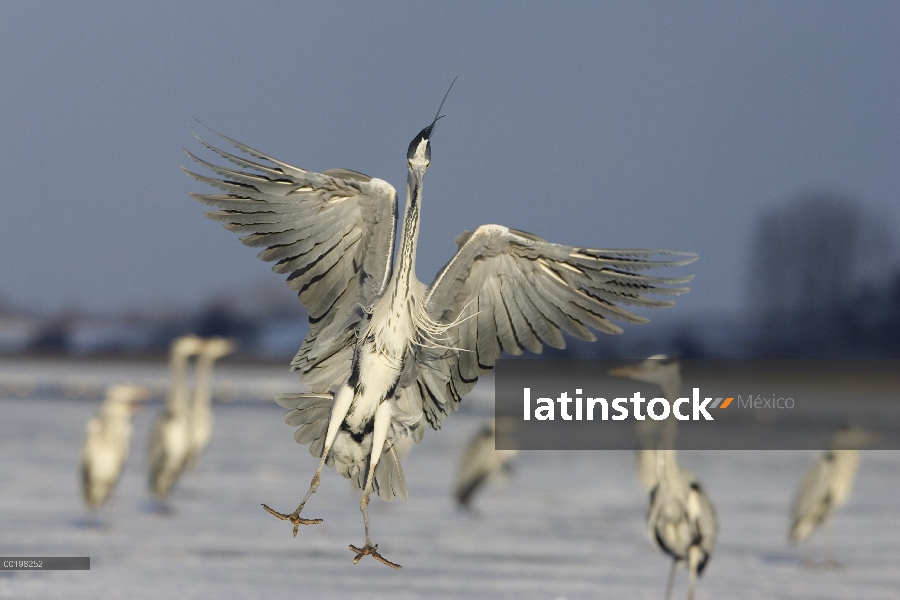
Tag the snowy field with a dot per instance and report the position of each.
(569, 524)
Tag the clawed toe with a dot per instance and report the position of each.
(294, 518)
(373, 552)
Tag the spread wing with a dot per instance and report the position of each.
(512, 291)
(331, 232)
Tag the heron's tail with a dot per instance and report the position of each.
(311, 412)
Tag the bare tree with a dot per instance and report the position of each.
(811, 261)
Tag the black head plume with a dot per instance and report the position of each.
(425, 134)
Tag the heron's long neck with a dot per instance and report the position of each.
(669, 472)
(409, 239)
(203, 384)
(671, 388)
(177, 390)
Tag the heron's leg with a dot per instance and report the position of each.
(693, 563)
(671, 580)
(829, 545)
(382, 423)
(338, 413)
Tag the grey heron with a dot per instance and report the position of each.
(665, 372)
(201, 417)
(480, 463)
(681, 519)
(827, 484)
(107, 441)
(170, 442)
(384, 351)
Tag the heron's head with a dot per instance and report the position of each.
(216, 348)
(659, 369)
(186, 345)
(852, 436)
(124, 399)
(419, 154)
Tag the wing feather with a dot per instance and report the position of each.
(487, 338)
(332, 233)
(544, 330)
(524, 334)
(547, 301)
(511, 291)
(504, 329)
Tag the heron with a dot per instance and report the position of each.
(665, 372)
(384, 352)
(827, 485)
(107, 441)
(480, 464)
(681, 519)
(170, 442)
(201, 417)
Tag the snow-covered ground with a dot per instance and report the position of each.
(569, 524)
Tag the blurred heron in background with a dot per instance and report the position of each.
(384, 351)
(201, 417)
(480, 464)
(107, 441)
(665, 372)
(827, 486)
(170, 442)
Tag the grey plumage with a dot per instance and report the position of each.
(170, 442)
(200, 414)
(828, 482)
(383, 350)
(664, 371)
(480, 463)
(508, 290)
(107, 440)
(681, 519)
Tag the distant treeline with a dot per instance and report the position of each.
(823, 282)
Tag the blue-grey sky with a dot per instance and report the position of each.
(596, 124)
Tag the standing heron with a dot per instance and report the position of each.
(201, 417)
(681, 519)
(383, 350)
(107, 441)
(665, 372)
(480, 464)
(827, 485)
(170, 443)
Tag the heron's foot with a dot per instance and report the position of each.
(294, 517)
(373, 552)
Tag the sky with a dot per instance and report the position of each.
(609, 125)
